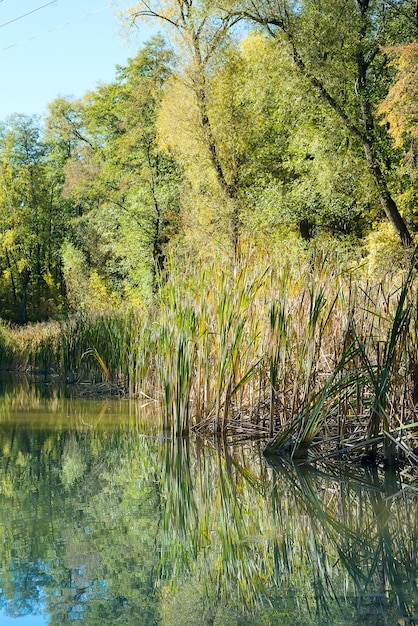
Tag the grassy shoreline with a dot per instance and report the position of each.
(312, 356)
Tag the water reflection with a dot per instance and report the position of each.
(104, 521)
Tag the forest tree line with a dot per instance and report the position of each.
(243, 128)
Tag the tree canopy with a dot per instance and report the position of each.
(251, 124)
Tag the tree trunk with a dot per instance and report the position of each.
(386, 200)
(11, 278)
(388, 203)
(229, 189)
(305, 229)
(25, 283)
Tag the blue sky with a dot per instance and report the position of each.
(65, 48)
(29, 620)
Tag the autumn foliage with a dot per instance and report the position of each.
(399, 109)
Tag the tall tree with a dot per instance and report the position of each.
(31, 222)
(201, 37)
(125, 187)
(288, 171)
(398, 111)
(336, 46)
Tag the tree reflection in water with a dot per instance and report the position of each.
(103, 520)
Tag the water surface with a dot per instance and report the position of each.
(104, 520)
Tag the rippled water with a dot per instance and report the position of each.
(103, 520)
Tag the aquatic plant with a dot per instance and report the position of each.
(303, 352)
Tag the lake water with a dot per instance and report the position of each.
(105, 521)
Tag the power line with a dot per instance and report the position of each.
(20, 17)
(50, 30)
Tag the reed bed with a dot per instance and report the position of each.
(300, 353)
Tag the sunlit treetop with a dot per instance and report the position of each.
(399, 109)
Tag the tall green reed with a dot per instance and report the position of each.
(298, 351)
(389, 363)
(368, 372)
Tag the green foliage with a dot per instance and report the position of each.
(336, 49)
(397, 109)
(31, 225)
(228, 142)
(76, 281)
(94, 177)
(131, 204)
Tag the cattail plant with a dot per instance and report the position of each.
(304, 353)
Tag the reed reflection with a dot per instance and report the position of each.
(104, 520)
(289, 542)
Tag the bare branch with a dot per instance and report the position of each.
(151, 13)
